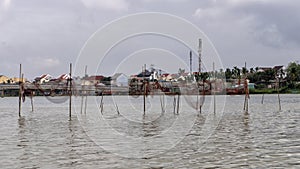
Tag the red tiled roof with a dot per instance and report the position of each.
(64, 77)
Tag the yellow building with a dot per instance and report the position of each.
(4, 79)
(8, 80)
(16, 80)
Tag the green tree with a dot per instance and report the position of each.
(244, 71)
(236, 72)
(202, 76)
(293, 72)
(228, 74)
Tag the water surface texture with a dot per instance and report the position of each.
(46, 138)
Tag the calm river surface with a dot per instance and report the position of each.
(230, 138)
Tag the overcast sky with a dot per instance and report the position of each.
(46, 35)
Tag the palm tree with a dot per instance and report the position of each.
(236, 72)
(228, 74)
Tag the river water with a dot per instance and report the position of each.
(229, 138)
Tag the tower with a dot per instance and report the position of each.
(199, 52)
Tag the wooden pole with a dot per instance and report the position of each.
(83, 89)
(144, 97)
(81, 107)
(247, 106)
(85, 71)
(162, 103)
(197, 103)
(203, 94)
(20, 90)
(101, 104)
(200, 110)
(178, 98)
(174, 104)
(262, 98)
(117, 108)
(70, 92)
(85, 104)
(214, 92)
(86, 95)
(31, 100)
(246, 101)
(2, 92)
(145, 87)
(279, 104)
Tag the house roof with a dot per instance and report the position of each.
(96, 77)
(46, 76)
(262, 69)
(4, 76)
(64, 77)
(185, 74)
(147, 73)
(277, 67)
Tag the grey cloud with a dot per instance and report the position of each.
(273, 23)
(56, 29)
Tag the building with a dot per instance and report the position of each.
(4, 79)
(62, 78)
(92, 80)
(8, 80)
(280, 71)
(45, 78)
(119, 79)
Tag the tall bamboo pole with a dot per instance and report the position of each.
(174, 104)
(70, 92)
(31, 100)
(162, 103)
(145, 88)
(279, 104)
(20, 90)
(101, 104)
(178, 98)
(246, 101)
(214, 92)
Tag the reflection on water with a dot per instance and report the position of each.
(45, 138)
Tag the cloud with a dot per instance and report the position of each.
(270, 36)
(203, 13)
(44, 62)
(268, 20)
(6, 4)
(171, 1)
(4, 8)
(114, 5)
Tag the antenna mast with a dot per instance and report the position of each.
(191, 69)
(199, 51)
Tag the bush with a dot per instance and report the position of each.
(260, 86)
